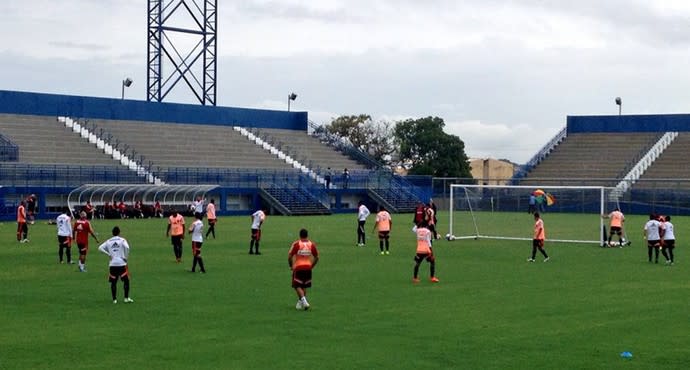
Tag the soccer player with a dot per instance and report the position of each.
(157, 210)
(653, 233)
(362, 214)
(431, 219)
(258, 218)
(384, 223)
(197, 231)
(117, 249)
(176, 232)
(302, 258)
(211, 217)
(64, 235)
(538, 239)
(22, 227)
(616, 226)
(419, 214)
(31, 208)
(89, 209)
(198, 206)
(668, 240)
(424, 252)
(80, 232)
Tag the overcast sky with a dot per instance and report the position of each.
(502, 74)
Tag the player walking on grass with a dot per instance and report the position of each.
(258, 219)
(211, 217)
(197, 231)
(117, 249)
(362, 214)
(668, 240)
(80, 232)
(64, 235)
(302, 258)
(384, 223)
(538, 239)
(176, 231)
(22, 226)
(653, 233)
(424, 252)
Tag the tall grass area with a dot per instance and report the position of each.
(491, 310)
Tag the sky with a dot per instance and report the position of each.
(504, 75)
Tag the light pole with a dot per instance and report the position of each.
(291, 97)
(619, 103)
(127, 82)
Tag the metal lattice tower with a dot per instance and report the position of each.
(167, 65)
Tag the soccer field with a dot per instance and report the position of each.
(491, 309)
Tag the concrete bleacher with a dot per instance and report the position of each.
(309, 150)
(670, 166)
(43, 140)
(596, 158)
(172, 145)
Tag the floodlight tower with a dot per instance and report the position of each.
(169, 64)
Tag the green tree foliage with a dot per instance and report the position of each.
(373, 138)
(424, 149)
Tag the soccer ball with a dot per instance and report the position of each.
(450, 237)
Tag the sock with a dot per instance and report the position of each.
(432, 269)
(113, 289)
(201, 264)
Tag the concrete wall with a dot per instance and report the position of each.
(497, 172)
(631, 123)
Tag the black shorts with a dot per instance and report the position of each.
(256, 234)
(384, 234)
(64, 240)
(653, 243)
(424, 256)
(539, 243)
(196, 248)
(176, 240)
(616, 230)
(301, 278)
(118, 272)
(211, 221)
(670, 244)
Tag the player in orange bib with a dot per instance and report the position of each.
(424, 252)
(302, 258)
(616, 226)
(176, 232)
(384, 224)
(22, 227)
(538, 238)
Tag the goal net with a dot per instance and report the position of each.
(571, 213)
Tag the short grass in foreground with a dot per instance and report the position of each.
(491, 309)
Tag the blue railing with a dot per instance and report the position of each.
(58, 175)
(9, 151)
(350, 150)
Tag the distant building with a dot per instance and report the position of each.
(489, 171)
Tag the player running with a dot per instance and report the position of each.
(668, 240)
(64, 235)
(362, 214)
(80, 232)
(302, 258)
(197, 231)
(424, 252)
(117, 249)
(258, 219)
(538, 239)
(384, 223)
(653, 233)
(176, 232)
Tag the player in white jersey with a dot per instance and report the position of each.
(652, 232)
(197, 231)
(117, 249)
(198, 206)
(258, 218)
(668, 240)
(362, 214)
(64, 235)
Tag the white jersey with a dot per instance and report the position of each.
(198, 206)
(198, 231)
(668, 231)
(257, 218)
(118, 250)
(64, 225)
(652, 229)
(363, 213)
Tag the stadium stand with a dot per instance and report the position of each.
(42, 140)
(594, 158)
(669, 167)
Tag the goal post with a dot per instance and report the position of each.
(571, 214)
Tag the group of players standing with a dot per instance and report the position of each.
(658, 231)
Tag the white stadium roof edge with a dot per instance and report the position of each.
(166, 194)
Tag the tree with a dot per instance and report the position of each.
(424, 148)
(374, 138)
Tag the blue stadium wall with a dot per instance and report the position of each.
(629, 123)
(28, 103)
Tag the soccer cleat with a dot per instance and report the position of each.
(114, 301)
(70, 263)
(305, 304)
(415, 280)
(434, 279)
(298, 306)
(530, 260)
(546, 259)
(388, 252)
(129, 300)
(382, 253)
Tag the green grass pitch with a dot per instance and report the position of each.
(491, 310)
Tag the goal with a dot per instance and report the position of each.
(571, 214)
